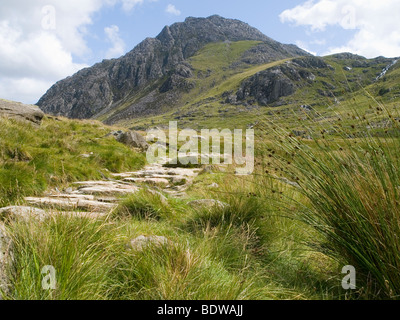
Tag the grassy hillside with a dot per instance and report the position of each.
(218, 69)
(33, 159)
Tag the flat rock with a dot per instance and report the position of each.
(156, 170)
(71, 204)
(72, 196)
(23, 212)
(151, 181)
(105, 188)
(20, 111)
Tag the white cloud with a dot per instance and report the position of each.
(118, 45)
(375, 23)
(40, 40)
(26, 90)
(304, 46)
(129, 5)
(173, 10)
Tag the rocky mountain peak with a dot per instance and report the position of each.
(95, 91)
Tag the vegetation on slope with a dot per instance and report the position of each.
(313, 205)
(33, 159)
(218, 71)
(325, 194)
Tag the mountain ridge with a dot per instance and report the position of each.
(107, 85)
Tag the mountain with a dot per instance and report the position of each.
(217, 72)
(153, 76)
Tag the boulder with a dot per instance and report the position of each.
(20, 111)
(133, 139)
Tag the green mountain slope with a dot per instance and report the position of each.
(327, 84)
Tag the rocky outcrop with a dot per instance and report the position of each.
(266, 87)
(270, 85)
(20, 111)
(105, 188)
(154, 73)
(270, 51)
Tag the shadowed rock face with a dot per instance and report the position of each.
(268, 86)
(155, 67)
(19, 111)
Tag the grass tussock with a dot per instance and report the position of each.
(145, 205)
(350, 189)
(76, 248)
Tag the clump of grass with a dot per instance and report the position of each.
(179, 272)
(350, 187)
(145, 205)
(240, 211)
(76, 248)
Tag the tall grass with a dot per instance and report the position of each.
(350, 184)
(93, 260)
(77, 249)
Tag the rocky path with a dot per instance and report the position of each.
(98, 198)
(95, 199)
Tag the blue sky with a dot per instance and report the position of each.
(148, 19)
(43, 41)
